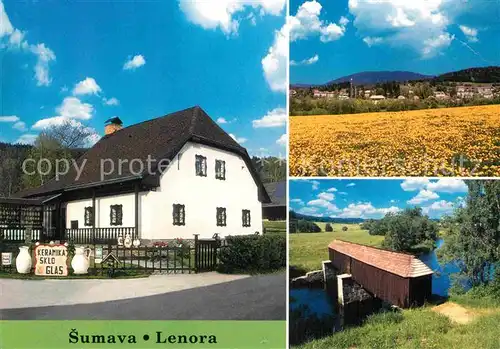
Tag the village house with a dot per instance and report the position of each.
(201, 181)
(323, 94)
(465, 91)
(293, 92)
(441, 95)
(377, 98)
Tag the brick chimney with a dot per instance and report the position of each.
(112, 125)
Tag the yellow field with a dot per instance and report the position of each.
(435, 142)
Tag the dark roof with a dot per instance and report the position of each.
(402, 264)
(277, 193)
(160, 138)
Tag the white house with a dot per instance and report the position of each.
(166, 178)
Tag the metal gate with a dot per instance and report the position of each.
(205, 253)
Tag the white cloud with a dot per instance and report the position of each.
(240, 140)
(92, 139)
(332, 190)
(44, 56)
(27, 139)
(223, 14)
(87, 87)
(448, 185)
(134, 63)
(420, 25)
(10, 118)
(439, 208)
(221, 121)
(342, 193)
(274, 118)
(111, 101)
(366, 210)
(351, 184)
(307, 61)
(412, 184)
(308, 210)
(16, 41)
(73, 108)
(470, 33)
(283, 140)
(324, 204)
(20, 126)
(326, 196)
(423, 196)
(297, 201)
(306, 23)
(275, 62)
(372, 41)
(6, 27)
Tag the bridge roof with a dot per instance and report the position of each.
(402, 264)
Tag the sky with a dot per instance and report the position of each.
(331, 39)
(366, 198)
(88, 61)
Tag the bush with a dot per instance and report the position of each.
(328, 227)
(253, 254)
(344, 228)
(304, 226)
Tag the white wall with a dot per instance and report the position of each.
(200, 195)
(75, 211)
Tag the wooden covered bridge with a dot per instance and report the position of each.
(398, 278)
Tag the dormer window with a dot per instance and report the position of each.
(220, 169)
(116, 215)
(201, 166)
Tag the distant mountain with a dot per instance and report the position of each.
(374, 77)
(481, 75)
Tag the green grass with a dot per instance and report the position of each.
(308, 250)
(411, 329)
(275, 227)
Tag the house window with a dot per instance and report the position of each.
(116, 215)
(88, 216)
(179, 214)
(201, 166)
(74, 224)
(221, 216)
(246, 218)
(220, 169)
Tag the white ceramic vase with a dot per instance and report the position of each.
(128, 241)
(23, 260)
(80, 262)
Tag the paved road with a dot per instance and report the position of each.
(261, 297)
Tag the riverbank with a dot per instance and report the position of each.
(415, 328)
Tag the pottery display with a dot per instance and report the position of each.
(120, 240)
(23, 260)
(128, 241)
(81, 262)
(136, 242)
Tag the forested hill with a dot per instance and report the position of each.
(481, 75)
(295, 215)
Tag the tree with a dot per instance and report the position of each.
(54, 143)
(328, 227)
(409, 228)
(473, 233)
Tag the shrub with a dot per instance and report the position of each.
(253, 253)
(304, 226)
(344, 228)
(328, 227)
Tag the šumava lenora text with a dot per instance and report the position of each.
(159, 337)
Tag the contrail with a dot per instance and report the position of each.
(474, 51)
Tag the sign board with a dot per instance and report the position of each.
(6, 258)
(98, 255)
(51, 260)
